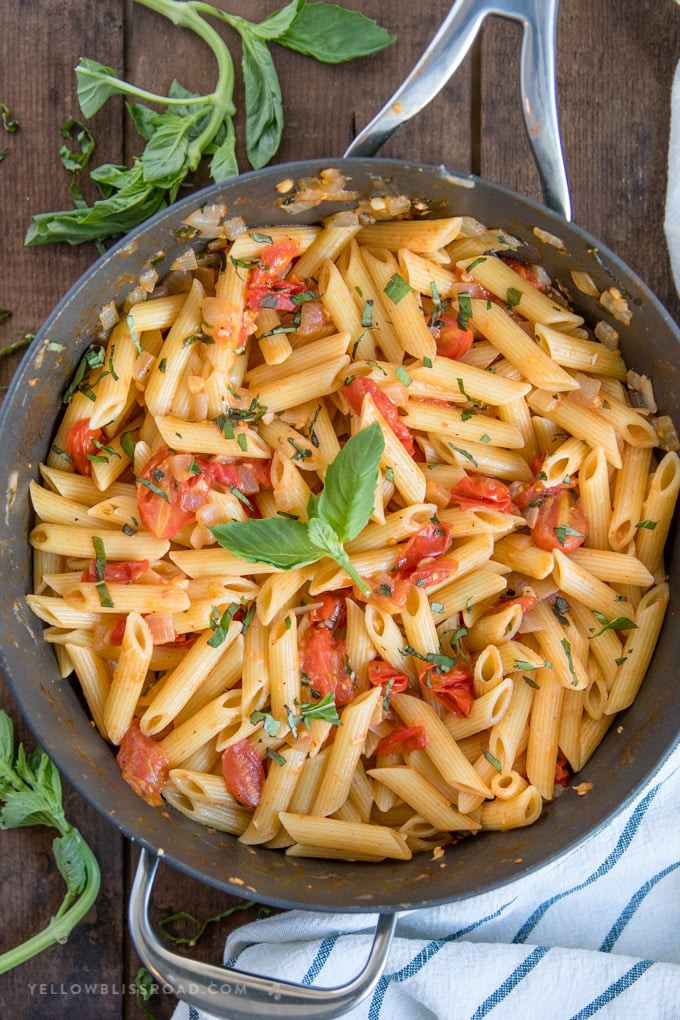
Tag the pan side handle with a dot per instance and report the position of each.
(235, 994)
(444, 55)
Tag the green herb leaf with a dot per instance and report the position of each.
(30, 794)
(264, 106)
(513, 297)
(397, 288)
(563, 530)
(222, 630)
(492, 760)
(620, 623)
(351, 479)
(464, 310)
(269, 723)
(333, 34)
(96, 83)
(275, 540)
(649, 525)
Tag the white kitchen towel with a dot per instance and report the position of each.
(672, 217)
(595, 933)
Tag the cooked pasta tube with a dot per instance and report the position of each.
(128, 677)
(638, 648)
(544, 728)
(344, 756)
(514, 813)
(441, 748)
(424, 798)
(180, 684)
(348, 838)
(486, 711)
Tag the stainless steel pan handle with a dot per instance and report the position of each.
(444, 55)
(235, 994)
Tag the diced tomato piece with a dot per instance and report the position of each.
(529, 495)
(116, 635)
(535, 275)
(118, 573)
(170, 491)
(143, 764)
(388, 591)
(356, 390)
(434, 573)
(248, 475)
(80, 440)
(383, 674)
(563, 770)
(173, 486)
(412, 738)
(479, 491)
(561, 523)
(323, 660)
(453, 689)
(525, 602)
(430, 541)
(266, 286)
(243, 772)
(452, 341)
(331, 612)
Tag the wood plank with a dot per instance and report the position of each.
(38, 84)
(615, 68)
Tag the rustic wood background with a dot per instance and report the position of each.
(615, 68)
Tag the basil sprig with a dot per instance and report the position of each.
(190, 126)
(335, 517)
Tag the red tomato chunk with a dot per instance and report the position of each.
(243, 772)
(356, 390)
(80, 442)
(324, 665)
(412, 738)
(143, 764)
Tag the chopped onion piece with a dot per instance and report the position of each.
(616, 305)
(552, 239)
(207, 221)
(186, 261)
(607, 335)
(234, 227)
(134, 297)
(109, 316)
(585, 283)
(148, 279)
(141, 368)
(588, 393)
(665, 429)
(641, 385)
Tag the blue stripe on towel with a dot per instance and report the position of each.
(622, 845)
(410, 969)
(615, 989)
(632, 905)
(511, 982)
(323, 952)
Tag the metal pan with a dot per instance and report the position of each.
(629, 754)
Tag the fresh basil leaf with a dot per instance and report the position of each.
(143, 119)
(264, 107)
(274, 540)
(76, 159)
(620, 623)
(96, 83)
(349, 490)
(278, 22)
(333, 34)
(223, 164)
(68, 856)
(165, 154)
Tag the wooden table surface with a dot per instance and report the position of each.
(615, 67)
